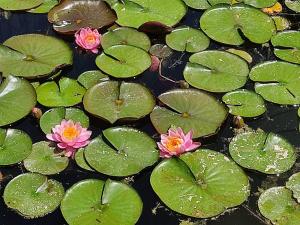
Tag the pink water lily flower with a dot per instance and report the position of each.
(70, 136)
(88, 39)
(175, 143)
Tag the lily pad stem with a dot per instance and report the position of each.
(164, 77)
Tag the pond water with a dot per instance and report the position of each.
(278, 119)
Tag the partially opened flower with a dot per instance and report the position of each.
(70, 136)
(88, 39)
(175, 143)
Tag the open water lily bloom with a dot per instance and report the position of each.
(175, 143)
(88, 39)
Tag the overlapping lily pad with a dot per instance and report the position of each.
(265, 152)
(223, 23)
(15, 146)
(33, 55)
(68, 92)
(216, 71)
(293, 5)
(201, 184)
(131, 152)
(90, 78)
(277, 82)
(81, 161)
(294, 185)
(281, 23)
(17, 98)
(111, 202)
(191, 110)
(113, 100)
(19, 4)
(45, 7)
(241, 53)
(33, 195)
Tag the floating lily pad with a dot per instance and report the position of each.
(135, 13)
(45, 7)
(197, 4)
(68, 92)
(216, 71)
(19, 4)
(112, 100)
(15, 146)
(80, 160)
(191, 110)
(17, 98)
(244, 103)
(187, 39)
(223, 23)
(126, 36)
(293, 5)
(123, 61)
(70, 16)
(90, 78)
(161, 51)
(294, 185)
(201, 184)
(53, 117)
(111, 202)
(44, 160)
(278, 82)
(33, 195)
(243, 54)
(281, 23)
(265, 152)
(132, 152)
(33, 55)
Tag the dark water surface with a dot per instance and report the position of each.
(278, 119)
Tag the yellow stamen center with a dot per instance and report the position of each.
(173, 143)
(70, 133)
(90, 39)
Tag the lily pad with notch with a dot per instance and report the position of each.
(45, 7)
(81, 161)
(19, 4)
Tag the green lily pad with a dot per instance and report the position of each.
(33, 195)
(243, 54)
(111, 202)
(197, 4)
(19, 4)
(45, 7)
(53, 117)
(44, 160)
(244, 103)
(33, 55)
(126, 36)
(222, 23)
(201, 184)
(293, 5)
(113, 100)
(90, 78)
(294, 185)
(277, 82)
(15, 146)
(68, 92)
(80, 160)
(123, 61)
(132, 152)
(134, 13)
(216, 71)
(281, 23)
(287, 46)
(187, 39)
(191, 110)
(17, 98)
(265, 152)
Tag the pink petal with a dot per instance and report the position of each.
(50, 137)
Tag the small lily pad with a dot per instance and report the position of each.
(15, 146)
(197, 4)
(123, 61)
(265, 152)
(161, 51)
(44, 160)
(293, 5)
(202, 184)
(45, 7)
(68, 92)
(19, 4)
(111, 202)
(132, 152)
(80, 160)
(33, 195)
(244, 103)
(281, 23)
(294, 185)
(243, 54)
(90, 78)
(113, 100)
(189, 109)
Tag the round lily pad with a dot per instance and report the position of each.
(129, 151)
(53, 117)
(111, 202)
(265, 152)
(113, 100)
(201, 184)
(17, 98)
(68, 92)
(135, 13)
(216, 71)
(80, 160)
(223, 23)
(294, 185)
(33, 195)
(45, 7)
(244, 103)
(187, 39)
(15, 146)
(34, 55)
(90, 78)
(123, 61)
(44, 160)
(126, 36)
(191, 110)
(19, 4)
(281, 23)
(277, 82)
(293, 5)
